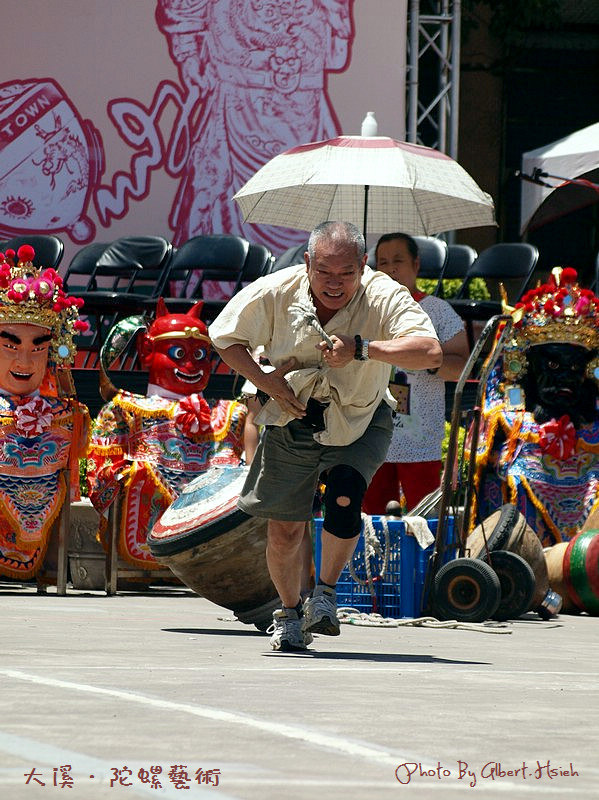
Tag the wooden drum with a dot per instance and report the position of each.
(507, 529)
(554, 558)
(216, 549)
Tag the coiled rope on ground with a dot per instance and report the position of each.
(351, 616)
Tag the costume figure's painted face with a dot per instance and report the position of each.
(558, 372)
(23, 357)
(176, 351)
(180, 365)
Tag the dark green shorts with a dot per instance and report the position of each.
(284, 473)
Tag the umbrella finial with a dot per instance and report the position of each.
(370, 126)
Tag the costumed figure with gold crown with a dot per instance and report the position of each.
(149, 447)
(539, 442)
(539, 445)
(43, 429)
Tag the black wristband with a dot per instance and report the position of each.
(358, 350)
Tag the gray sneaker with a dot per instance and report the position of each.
(287, 631)
(320, 612)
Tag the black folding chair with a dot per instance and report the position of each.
(460, 258)
(48, 248)
(127, 278)
(258, 263)
(208, 267)
(432, 254)
(291, 256)
(82, 266)
(511, 264)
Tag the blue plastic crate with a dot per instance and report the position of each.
(397, 566)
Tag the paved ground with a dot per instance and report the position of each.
(115, 687)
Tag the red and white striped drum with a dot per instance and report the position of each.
(216, 549)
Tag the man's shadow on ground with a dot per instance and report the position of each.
(334, 655)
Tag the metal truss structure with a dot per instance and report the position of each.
(433, 79)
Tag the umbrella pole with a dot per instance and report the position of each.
(366, 188)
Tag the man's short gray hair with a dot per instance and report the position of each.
(344, 233)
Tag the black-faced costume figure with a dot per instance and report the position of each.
(539, 442)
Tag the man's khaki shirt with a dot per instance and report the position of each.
(380, 310)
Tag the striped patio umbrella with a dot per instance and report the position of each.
(377, 183)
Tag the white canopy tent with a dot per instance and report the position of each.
(574, 157)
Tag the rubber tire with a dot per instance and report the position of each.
(508, 517)
(517, 581)
(466, 590)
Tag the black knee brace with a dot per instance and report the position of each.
(343, 521)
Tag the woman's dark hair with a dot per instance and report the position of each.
(391, 237)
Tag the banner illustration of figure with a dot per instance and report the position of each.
(257, 73)
(252, 82)
(50, 161)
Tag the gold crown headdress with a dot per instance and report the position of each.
(33, 296)
(558, 312)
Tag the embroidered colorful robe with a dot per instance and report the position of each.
(138, 449)
(36, 470)
(556, 495)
